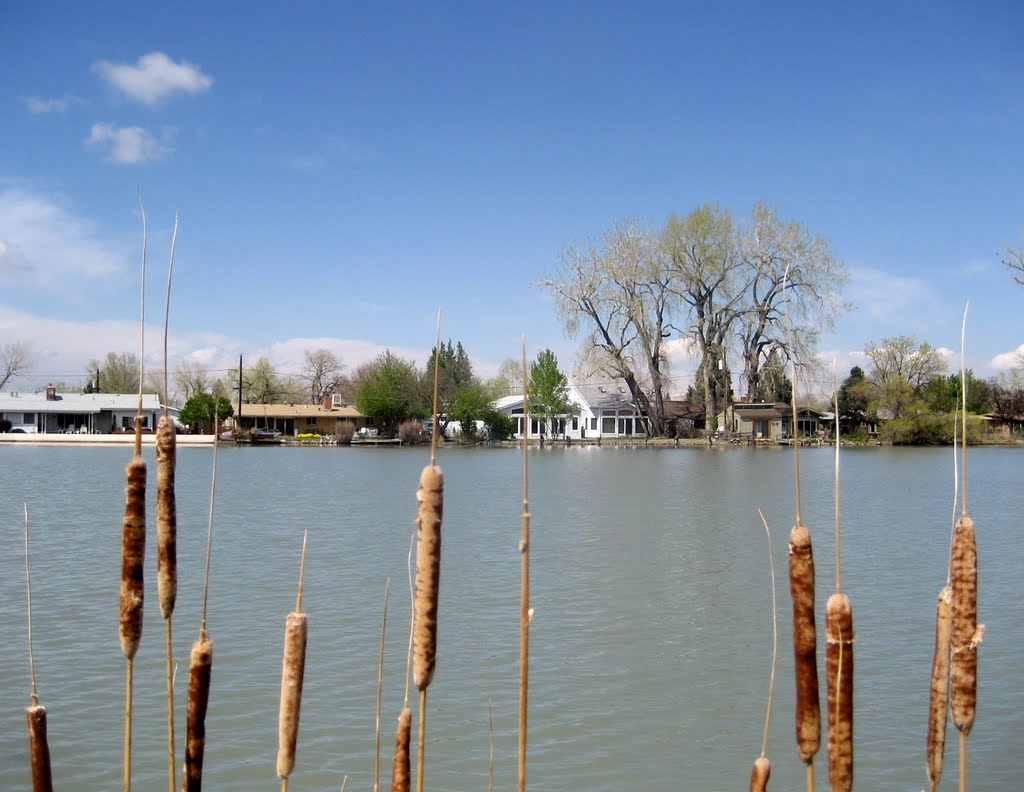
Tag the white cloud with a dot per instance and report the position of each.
(1008, 360)
(885, 296)
(130, 145)
(46, 106)
(43, 244)
(154, 78)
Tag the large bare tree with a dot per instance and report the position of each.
(792, 284)
(1014, 260)
(322, 371)
(15, 361)
(708, 274)
(616, 291)
(118, 373)
(190, 378)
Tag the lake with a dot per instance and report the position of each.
(650, 646)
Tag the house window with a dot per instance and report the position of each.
(593, 424)
(575, 424)
(28, 418)
(608, 425)
(310, 420)
(627, 426)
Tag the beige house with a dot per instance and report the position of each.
(761, 421)
(292, 420)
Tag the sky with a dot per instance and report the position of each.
(343, 171)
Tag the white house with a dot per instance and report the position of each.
(603, 410)
(85, 413)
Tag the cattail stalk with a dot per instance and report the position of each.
(133, 539)
(430, 496)
(965, 633)
(35, 713)
(167, 528)
(293, 668)
(805, 636)
(400, 768)
(762, 768)
(200, 670)
(524, 591)
(938, 703)
(839, 638)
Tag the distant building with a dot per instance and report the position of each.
(603, 410)
(50, 411)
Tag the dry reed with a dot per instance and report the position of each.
(293, 668)
(524, 591)
(35, 713)
(380, 687)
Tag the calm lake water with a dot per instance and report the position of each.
(650, 647)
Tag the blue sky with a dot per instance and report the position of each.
(344, 170)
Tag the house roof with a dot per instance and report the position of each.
(682, 409)
(81, 403)
(606, 395)
(297, 411)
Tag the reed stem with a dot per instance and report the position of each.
(421, 741)
(524, 591)
(380, 687)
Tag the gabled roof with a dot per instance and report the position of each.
(297, 411)
(606, 395)
(762, 411)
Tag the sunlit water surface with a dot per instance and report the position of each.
(650, 649)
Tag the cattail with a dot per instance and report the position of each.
(200, 666)
(292, 671)
(805, 643)
(759, 774)
(133, 552)
(428, 574)
(400, 769)
(939, 701)
(166, 517)
(39, 749)
(965, 633)
(839, 672)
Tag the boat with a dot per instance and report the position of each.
(264, 436)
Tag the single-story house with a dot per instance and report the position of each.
(292, 420)
(812, 423)
(602, 410)
(50, 411)
(760, 420)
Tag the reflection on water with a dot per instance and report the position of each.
(651, 641)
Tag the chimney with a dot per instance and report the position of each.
(51, 393)
(328, 404)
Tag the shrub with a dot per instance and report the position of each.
(499, 425)
(410, 432)
(345, 432)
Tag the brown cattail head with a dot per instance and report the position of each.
(166, 517)
(839, 671)
(759, 774)
(133, 554)
(938, 703)
(200, 665)
(964, 637)
(292, 672)
(39, 749)
(805, 642)
(400, 773)
(428, 575)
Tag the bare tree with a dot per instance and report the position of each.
(15, 361)
(906, 358)
(788, 271)
(509, 379)
(708, 275)
(190, 378)
(118, 373)
(322, 373)
(617, 292)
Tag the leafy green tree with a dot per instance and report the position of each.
(454, 372)
(943, 394)
(472, 403)
(388, 389)
(499, 425)
(854, 394)
(901, 367)
(549, 390)
(198, 410)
